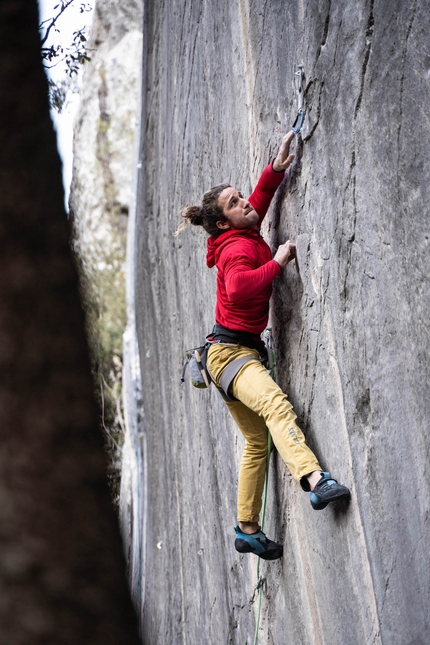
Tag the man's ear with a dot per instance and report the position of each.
(224, 224)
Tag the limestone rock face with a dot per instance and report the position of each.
(105, 126)
(101, 189)
(350, 318)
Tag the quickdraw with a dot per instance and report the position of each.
(260, 583)
(297, 125)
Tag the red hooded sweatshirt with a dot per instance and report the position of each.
(245, 266)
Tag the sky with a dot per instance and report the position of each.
(70, 21)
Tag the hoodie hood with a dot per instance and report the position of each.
(217, 244)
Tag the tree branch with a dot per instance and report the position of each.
(54, 20)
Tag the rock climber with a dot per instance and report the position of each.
(246, 270)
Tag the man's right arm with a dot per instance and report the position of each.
(265, 189)
(271, 178)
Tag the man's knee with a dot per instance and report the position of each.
(256, 449)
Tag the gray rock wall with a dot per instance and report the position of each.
(101, 191)
(350, 318)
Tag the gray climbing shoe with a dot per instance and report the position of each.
(258, 544)
(327, 490)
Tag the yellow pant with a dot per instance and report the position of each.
(261, 406)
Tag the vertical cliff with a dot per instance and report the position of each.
(350, 317)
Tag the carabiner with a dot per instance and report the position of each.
(297, 125)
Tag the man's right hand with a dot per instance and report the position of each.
(283, 159)
(285, 253)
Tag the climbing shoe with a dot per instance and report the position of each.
(258, 544)
(327, 490)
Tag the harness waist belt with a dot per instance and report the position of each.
(225, 335)
(240, 337)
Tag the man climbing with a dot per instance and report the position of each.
(244, 286)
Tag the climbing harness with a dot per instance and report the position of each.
(200, 375)
(196, 359)
(297, 125)
(261, 581)
(229, 373)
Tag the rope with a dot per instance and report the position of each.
(258, 589)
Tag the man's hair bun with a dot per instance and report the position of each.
(193, 214)
(206, 215)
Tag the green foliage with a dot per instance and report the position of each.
(72, 56)
(103, 298)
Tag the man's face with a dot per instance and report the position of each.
(237, 210)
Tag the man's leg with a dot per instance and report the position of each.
(259, 392)
(249, 537)
(253, 463)
(255, 388)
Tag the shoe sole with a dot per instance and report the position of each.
(242, 546)
(321, 504)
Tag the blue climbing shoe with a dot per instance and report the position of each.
(258, 544)
(327, 490)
